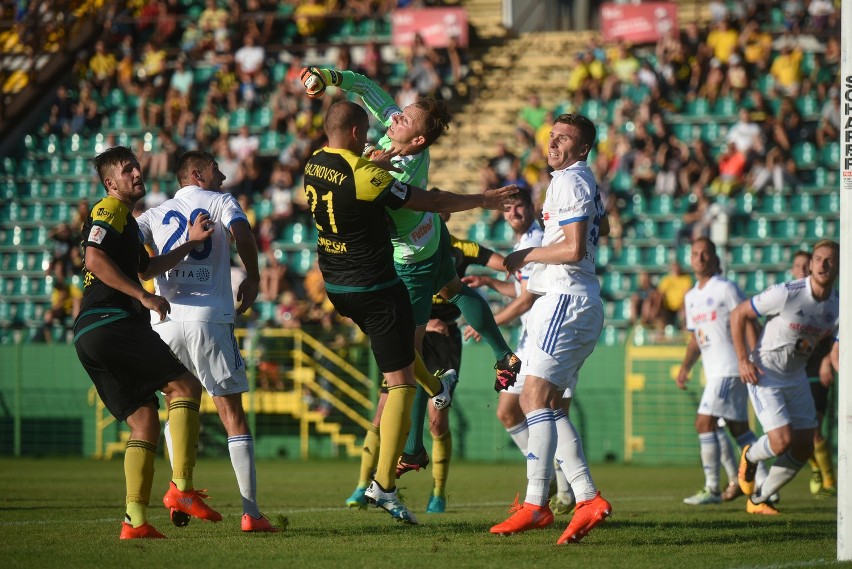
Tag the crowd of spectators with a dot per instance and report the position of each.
(702, 117)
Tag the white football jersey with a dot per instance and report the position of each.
(532, 238)
(790, 337)
(199, 287)
(571, 197)
(708, 316)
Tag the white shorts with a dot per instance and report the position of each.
(791, 404)
(210, 350)
(521, 352)
(725, 397)
(563, 330)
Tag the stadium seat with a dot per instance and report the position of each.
(830, 155)
(263, 209)
(478, 232)
(502, 233)
(614, 285)
(758, 228)
(604, 255)
(265, 310)
(646, 228)
(773, 204)
(661, 205)
(828, 203)
(621, 312)
(819, 228)
(686, 132)
(238, 118)
(804, 155)
(776, 254)
(801, 203)
(697, 107)
(713, 132)
(725, 107)
(638, 203)
(8, 189)
(669, 228)
(593, 109)
(631, 256)
(622, 182)
(295, 233)
(744, 204)
(808, 105)
(743, 256)
(300, 261)
(755, 281)
(788, 229)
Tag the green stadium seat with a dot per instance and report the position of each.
(725, 107)
(593, 109)
(669, 228)
(776, 254)
(658, 256)
(621, 312)
(10, 213)
(743, 256)
(622, 182)
(802, 203)
(661, 205)
(10, 236)
(34, 236)
(8, 189)
(804, 155)
(261, 117)
(16, 287)
(279, 71)
(638, 203)
(830, 155)
(502, 233)
(478, 232)
(8, 313)
(238, 118)
(828, 203)
(684, 254)
(713, 132)
(808, 105)
(819, 228)
(604, 255)
(295, 233)
(301, 261)
(773, 204)
(26, 168)
(646, 228)
(755, 281)
(116, 98)
(686, 132)
(614, 285)
(808, 64)
(697, 107)
(263, 209)
(758, 228)
(788, 228)
(631, 256)
(265, 310)
(744, 204)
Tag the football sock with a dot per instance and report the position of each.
(540, 451)
(709, 448)
(442, 450)
(167, 436)
(396, 420)
(760, 450)
(727, 455)
(369, 455)
(414, 442)
(822, 455)
(241, 449)
(782, 471)
(138, 478)
(521, 435)
(478, 314)
(431, 384)
(572, 459)
(562, 486)
(748, 438)
(184, 428)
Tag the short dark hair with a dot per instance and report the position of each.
(112, 157)
(192, 160)
(801, 253)
(343, 115)
(524, 196)
(437, 118)
(828, 243)
(588, 132)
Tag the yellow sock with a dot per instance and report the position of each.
(138, 478)
(442, 450)
(184, 425)
(393, 429)
(369, 455)
(427, 380)
(822, 455)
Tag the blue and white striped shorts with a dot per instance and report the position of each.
(725, 397)
(563, 330)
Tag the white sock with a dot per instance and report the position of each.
(562, 485)
(708, 445)
(241, 448)
(727, 456)
(167, 434)
(748, 438)
(760, 450)
(571, 459)
(540, 453)
(783, 470)
(521, 435)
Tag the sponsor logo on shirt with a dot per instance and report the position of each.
(399, 189)
(97, 234)
(331, 246)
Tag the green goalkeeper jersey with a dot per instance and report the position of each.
(415, 234)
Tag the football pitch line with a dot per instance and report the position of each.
(795, 564)
(285, 511)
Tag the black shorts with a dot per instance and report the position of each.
(820, 393)
(443, 352)
(126, 359)
(386, 317)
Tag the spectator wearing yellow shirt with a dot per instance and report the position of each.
(310, 18)
(786, 70)
(673, 287)
(756, 47)
(102, 67)
(723, 41)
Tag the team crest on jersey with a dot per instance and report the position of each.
(709, 302)
(546, 216)
(399, 189)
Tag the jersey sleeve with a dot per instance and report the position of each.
(576, 200)
(687, 313)
(733, 295)
(231, 210)
(380, 103)
(473, 252)
(109, 218)
(144, 222)
(770, 301)
(376, 184)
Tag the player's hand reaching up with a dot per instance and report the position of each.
(382, 159)
(316, 79)
(499, 198)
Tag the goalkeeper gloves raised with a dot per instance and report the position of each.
(316, 79)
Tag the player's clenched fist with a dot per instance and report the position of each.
(316, 79)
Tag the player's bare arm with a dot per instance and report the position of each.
(448, 202)
(199, 230)
(105, 269)
(692, 355)
(740, 317)
(247, 250)
(570, 250)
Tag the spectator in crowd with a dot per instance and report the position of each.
(786, 70)
(645, 302)
(673, 286)
(102, 68)
(828, 128)
(745, 135)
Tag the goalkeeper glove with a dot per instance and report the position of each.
(316, 79)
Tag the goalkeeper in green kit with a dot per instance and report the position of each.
(422, 256)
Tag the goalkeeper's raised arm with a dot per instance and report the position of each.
(377, 100)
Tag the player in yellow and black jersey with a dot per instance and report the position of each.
(126, 360)
(347, 196)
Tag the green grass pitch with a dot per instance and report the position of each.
(66, 512)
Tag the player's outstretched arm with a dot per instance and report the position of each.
(378, 101)
(692, 355)
(448, 202)
(740, 317)
(199, 230)
(100, 265)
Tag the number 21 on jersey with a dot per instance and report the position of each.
(329, 207)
